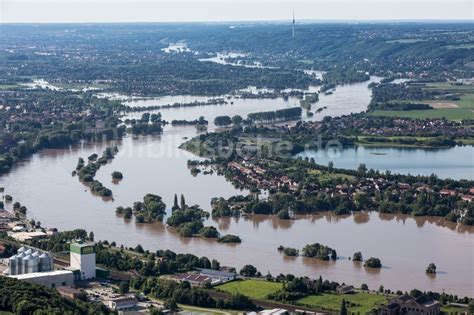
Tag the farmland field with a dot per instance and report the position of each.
(359, 302)
(255, 289)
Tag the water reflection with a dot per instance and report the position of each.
(154, 164)
(456, 162)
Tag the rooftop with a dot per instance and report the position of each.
(82, 244)
(23, 236)
(217, 273)
(67, 289)
(41, 274)
(193, 277)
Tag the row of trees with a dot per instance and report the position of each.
(223, 121)
(86, 173)
(188, 221)
(151, 209)
(278, 115)
(174, 293)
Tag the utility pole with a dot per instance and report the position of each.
(293, 26)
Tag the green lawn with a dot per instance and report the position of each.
(359, 302)
(256, 289)
(464, 111)
(449, 309)
(449, 113)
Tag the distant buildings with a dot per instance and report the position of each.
(407, 305)
(27, 236)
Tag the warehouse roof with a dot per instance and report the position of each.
(41, 274)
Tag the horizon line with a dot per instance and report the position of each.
(306, 21)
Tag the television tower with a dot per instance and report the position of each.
(293, 26)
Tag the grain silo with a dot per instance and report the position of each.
(19, 263)
(12, 265)
(26, 263)
(45, 262)
(33, 264)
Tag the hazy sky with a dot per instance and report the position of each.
(229, 10)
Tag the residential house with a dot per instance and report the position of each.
(345, 289)
(408, 305)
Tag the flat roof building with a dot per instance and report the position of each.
(51, 279)
(123, 303)
(69, 292)
(217, 274)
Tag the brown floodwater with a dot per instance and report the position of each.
(154, 164)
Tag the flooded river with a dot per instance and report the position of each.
(456, 162)
(154, 164)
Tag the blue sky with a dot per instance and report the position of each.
(40, 11)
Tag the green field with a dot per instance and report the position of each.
(449, 309)
(359, 302)
(258, 289)
(325, 176)
(456, 114)
(465, 109)
(255, 289)
(362, 141)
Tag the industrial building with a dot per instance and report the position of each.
(82, 258)
(51, 279)
(217, 275)
(122, 303)
(29, 260)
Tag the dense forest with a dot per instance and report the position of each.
(21, 297)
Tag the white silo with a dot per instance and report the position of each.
(44, 262)
(35, 256)
(21, 249)
(33, 264)
(12, 265)
(29, 251)
(19, 263)
(26, 263)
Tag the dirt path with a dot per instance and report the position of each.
(443, 105)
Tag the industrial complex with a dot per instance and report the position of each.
(37, 266)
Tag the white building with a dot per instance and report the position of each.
(82, 257)
(51, 279)
(217, 275)
(122, 303)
